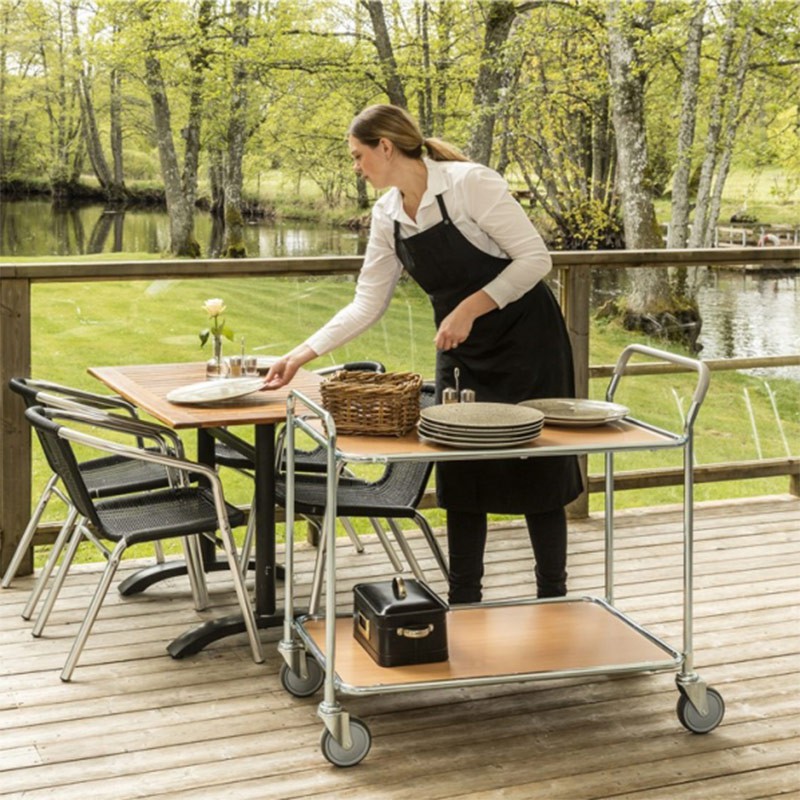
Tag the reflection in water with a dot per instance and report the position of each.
(744, 314)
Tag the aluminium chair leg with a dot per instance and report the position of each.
(318, 574)
(47, 570)
(159, 552)
(403, 544)
(30, 531)
(351, 532)
(61, 575)
(427, 532)
(194, 571)
(91, 613)
(397, 565)
(241, 594)
(249, 538)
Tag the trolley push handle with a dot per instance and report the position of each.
(691, 364)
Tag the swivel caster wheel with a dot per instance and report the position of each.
(302, 687)
(693, 720)
(337, 755)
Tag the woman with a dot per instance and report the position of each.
(453, 225)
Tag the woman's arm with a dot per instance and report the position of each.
(489, 202)
(376, 281)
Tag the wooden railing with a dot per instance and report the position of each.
(17, 280)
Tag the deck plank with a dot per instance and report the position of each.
(134, 723)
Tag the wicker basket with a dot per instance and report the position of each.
(372, 403)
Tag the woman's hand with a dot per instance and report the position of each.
(457, 325)
(285, 368)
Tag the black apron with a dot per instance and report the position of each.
(519, 352)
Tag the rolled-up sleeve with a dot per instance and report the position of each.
(489, 202)
(374, 288)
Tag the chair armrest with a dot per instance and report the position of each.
(171, 462)
(45, 389)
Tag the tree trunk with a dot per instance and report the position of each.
(425, 91)
(500, 17)
(701, 221)
(180, 211)
(393, 85)
(678, 231)
(733, 118)
(237, 134)
(650, 306)
(118, 176)
(94, 146)
(627, 106)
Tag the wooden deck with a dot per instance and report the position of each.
(135, 723)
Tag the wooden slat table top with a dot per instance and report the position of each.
(147, 385)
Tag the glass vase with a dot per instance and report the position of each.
(216, 368)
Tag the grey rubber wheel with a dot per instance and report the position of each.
(693, 720)
(337, 755)
(302, 687)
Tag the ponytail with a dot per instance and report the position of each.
(399, 127)
(440, 150)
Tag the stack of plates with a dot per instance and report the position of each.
(480, 425)
(577, 413)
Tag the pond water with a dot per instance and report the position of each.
(744, 314)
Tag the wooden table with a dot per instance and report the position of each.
(146, 386)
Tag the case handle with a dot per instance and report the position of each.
(399, 588)
(415, 633)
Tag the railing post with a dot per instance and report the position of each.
(15, 439)
(576, 290)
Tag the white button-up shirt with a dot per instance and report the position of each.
(480, 205)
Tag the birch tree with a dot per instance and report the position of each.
(690, 82)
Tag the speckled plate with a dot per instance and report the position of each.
(481, 416)
(577, 412)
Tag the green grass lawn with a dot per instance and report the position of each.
(78, 325)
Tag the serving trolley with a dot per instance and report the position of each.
(564, 637)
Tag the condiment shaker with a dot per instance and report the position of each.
(449, 396)
(467, 396)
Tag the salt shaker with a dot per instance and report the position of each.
(467, 396)
(449, 396)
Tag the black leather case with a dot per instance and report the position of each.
(400, 622)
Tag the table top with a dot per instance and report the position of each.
(147, 385)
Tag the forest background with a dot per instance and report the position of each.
(611, 115)
(599, 109)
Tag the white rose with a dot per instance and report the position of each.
(214, 307)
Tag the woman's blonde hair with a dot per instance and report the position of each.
(401, 129)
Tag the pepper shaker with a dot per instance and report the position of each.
(467, 396)
(449, 396)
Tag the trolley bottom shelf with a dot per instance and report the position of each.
(503, 643)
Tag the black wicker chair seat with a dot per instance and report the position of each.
(161, 514)
(106, 477)
(396, 494)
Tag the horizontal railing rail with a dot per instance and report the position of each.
(17, 279)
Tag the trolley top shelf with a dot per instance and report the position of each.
(627, 434)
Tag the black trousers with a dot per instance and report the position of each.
(466, 538)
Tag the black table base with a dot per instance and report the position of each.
(194, 640)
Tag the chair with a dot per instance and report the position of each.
(180, 511)
(105, 477)
(314, 461)
(395, 495)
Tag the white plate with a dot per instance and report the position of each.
(466, 416)
(568, 411)
(476, 444)
(431, 429)
(214, 391)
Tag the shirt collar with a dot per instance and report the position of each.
(437, 183)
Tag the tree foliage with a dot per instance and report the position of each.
(202, 95)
